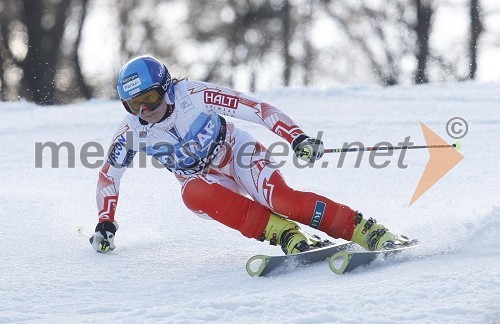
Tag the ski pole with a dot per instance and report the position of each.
(80, 230)
(456, 145)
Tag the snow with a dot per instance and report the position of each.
(172, 266)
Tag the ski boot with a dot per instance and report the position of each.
(288, 235)
(375, 237)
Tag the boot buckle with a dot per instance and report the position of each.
(274, 240)
(369, 223)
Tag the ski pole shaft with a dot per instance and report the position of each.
(80, 230)
(456, 145)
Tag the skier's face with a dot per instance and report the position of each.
(154, 116)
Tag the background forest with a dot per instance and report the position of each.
(62, 51)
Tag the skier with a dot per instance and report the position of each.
(219, 165)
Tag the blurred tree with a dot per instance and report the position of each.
(70, 83)
(243, 30)
(139, 27)
(307, 62)
(12, 48)
(387, 34)
(378, 31)
(424, 11)
(125, 9)
(5, 54)
(249, 34)
(286, 30)
(81, 85)
(151, 27)
(44, 22)
(32, 34)
(476, 28)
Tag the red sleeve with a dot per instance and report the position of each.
(119, 157)
(279, 122)
(106, 195)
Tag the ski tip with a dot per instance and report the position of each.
(256, 265)
(339, 261)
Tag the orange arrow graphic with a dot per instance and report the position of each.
(441, 161)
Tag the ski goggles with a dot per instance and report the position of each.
(150, 98)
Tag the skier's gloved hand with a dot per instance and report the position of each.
(103, 239)
(307, 148)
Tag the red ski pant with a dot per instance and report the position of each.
(222, 194)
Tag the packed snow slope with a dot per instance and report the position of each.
(172, 266)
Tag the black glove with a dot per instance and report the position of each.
(307, 148)
(103, 239)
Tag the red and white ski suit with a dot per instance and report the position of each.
(224, 172)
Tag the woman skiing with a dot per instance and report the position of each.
(224, 172)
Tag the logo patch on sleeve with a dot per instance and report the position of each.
(220, 99)
(319, 211)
